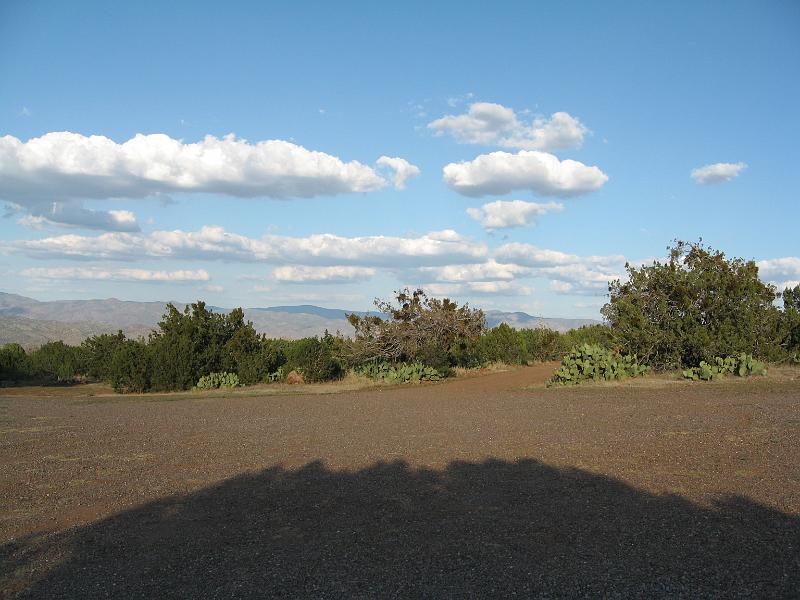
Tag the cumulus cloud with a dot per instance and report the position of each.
(540, 172)
(142, 275)
(491, 270)
(533, 256)
(403, 170)
(581, 279)
(493, 124)
(214, 243)
(64, 165)
(568, 273)
(503, 214)
(781, 272)
(335, 274)
(718, 172)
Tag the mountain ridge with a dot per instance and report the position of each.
(32, 322)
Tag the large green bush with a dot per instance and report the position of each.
(697, 305)
(56, 361)
(98, 352)
(313, 357)
(130, 367)
(14, 363)
(250, 355)
(196, 342)
(542, 344)
(790, 325)
(503, 344)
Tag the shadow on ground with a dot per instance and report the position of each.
(471, 530)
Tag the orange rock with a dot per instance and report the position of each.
(294, 378)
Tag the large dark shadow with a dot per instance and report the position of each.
(472, 530)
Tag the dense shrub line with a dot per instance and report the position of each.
(685, 312)
(192, 348)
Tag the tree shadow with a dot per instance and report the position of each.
(470, 530)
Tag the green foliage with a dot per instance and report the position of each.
(743, 365)
(694, 307)
(255, 358)
(591, 362)
(790, 323)
(14, 363)
(130, 367)
(314, 359)
(523, 346)
(749, 366)
(399, 373)
(56, 361)
(595, 335)
(97, 354)
(503, 344)
(198, 342)
(277, 375)
(213, 381)
(543, 344)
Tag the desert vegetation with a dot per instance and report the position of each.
(698, 311)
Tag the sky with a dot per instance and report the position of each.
(513, 155)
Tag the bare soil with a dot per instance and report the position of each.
(478, 487)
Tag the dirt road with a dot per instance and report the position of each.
(475, 487)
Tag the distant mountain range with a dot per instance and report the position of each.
(31, 323)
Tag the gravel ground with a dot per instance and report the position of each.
(480, 487)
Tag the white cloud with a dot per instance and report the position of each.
(533, 256)
(781, 272)
(454, 101)
(493, 124)
(580, 279)
(214, 243)
(403, 170)
(73, 215)
(64, 165)
(483, 123)
(511, 213)
(70, 273)
(336, 274)
(539, 172)
(212, 287)
(568, 273)
(491, 270)
(718, 172)
(478, 288)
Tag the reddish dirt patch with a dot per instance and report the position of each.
(474, 487)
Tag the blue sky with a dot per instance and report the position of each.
(577, 124)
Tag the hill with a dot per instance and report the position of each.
(30, 322)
